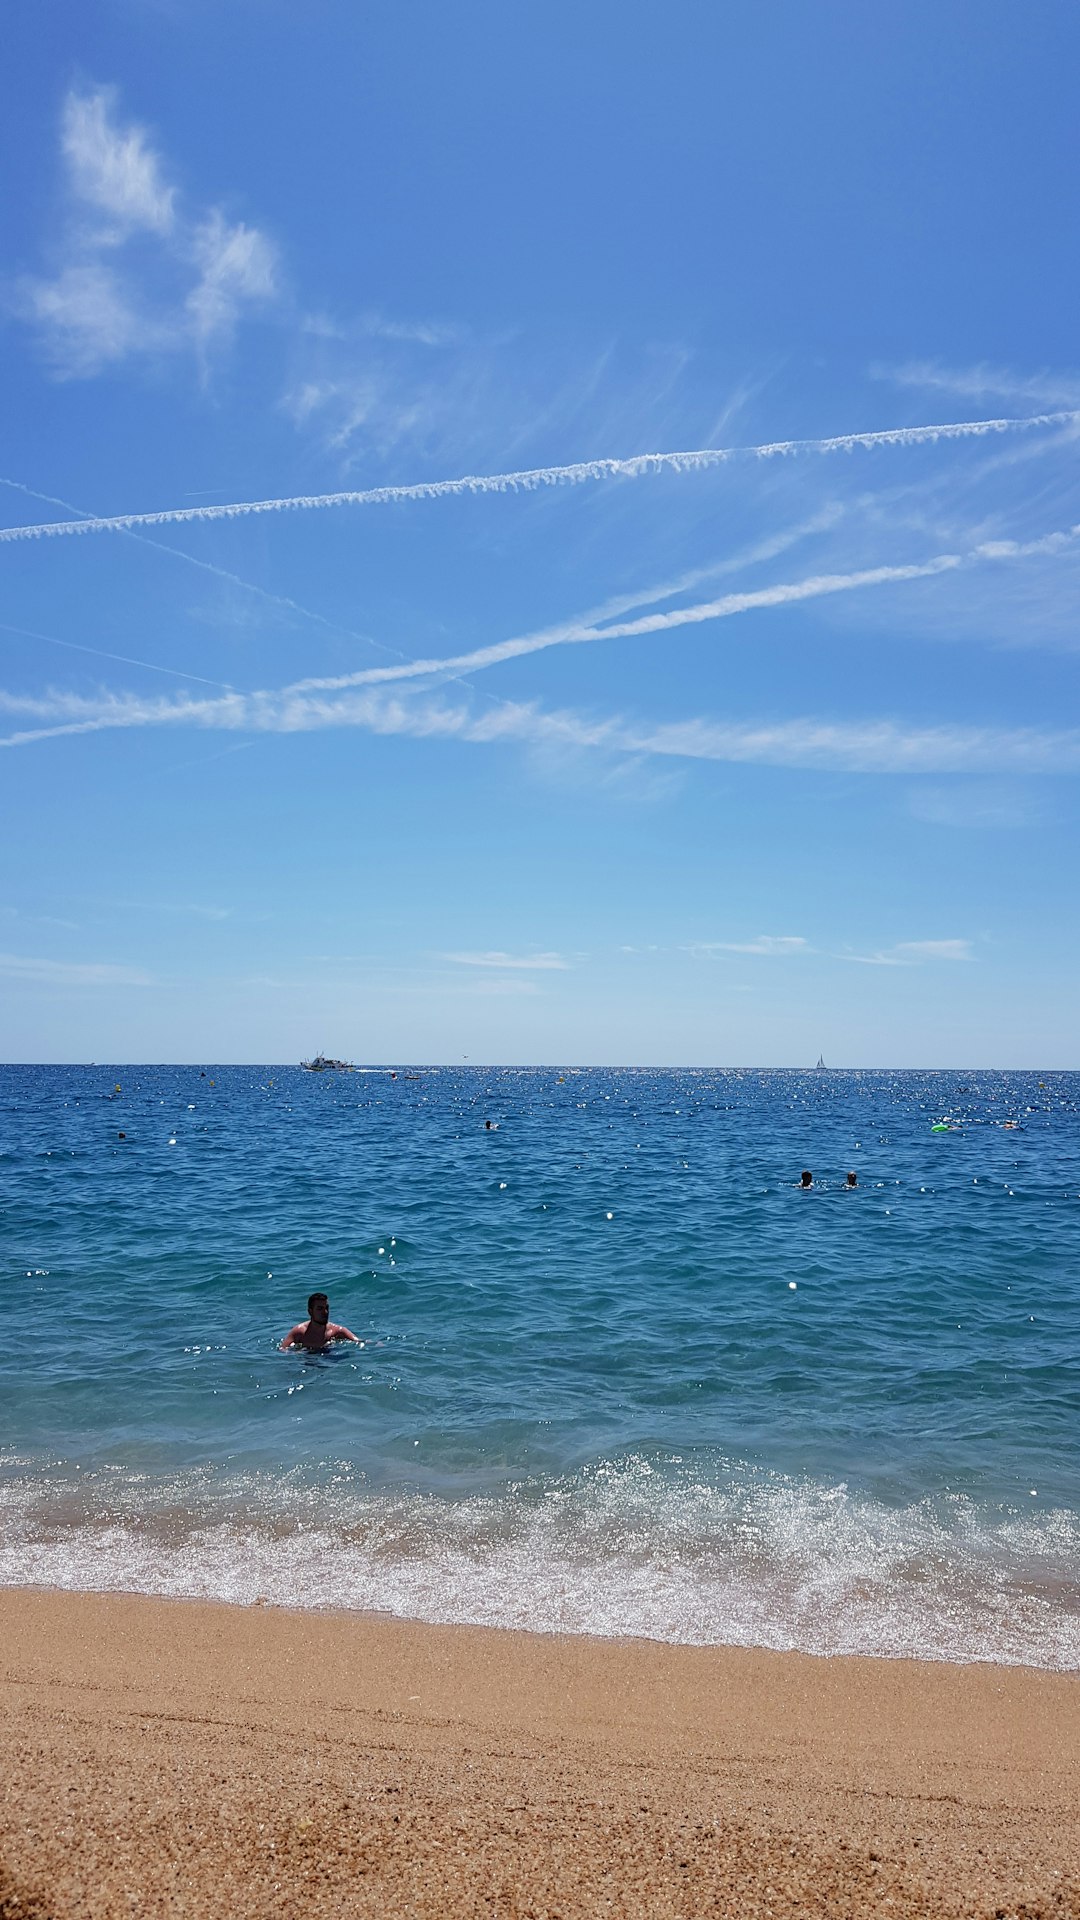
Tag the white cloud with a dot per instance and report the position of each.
(912, 953)
(421, 333)
(39, 919)
(530, 962)
(107, 302)
(984, 382)
(112, 168)
(236, 264)
(773, 945)
(201, 913)
(978, 804)
(859, 746)
(87, 318)
(71, 973)
(935, 949)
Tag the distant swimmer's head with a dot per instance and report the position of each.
(487, 1126)
(807, 1178)
(853, 1179)
(318, 1307)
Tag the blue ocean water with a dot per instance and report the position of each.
(619, 1374)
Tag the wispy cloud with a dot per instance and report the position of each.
(421, 333)
(863, 746)
(985, 382)
(788, 946)
(935, 950)
(113, 169)
(38, 919)
(198, 912)
(769, 945)
(236, 264)
(912, 953)
(71, 973)
(529, 479)
(528, 962)
(974, 805)
(136, 276)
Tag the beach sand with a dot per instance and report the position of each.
(173, 1758)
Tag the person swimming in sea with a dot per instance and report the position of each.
(318, 1331)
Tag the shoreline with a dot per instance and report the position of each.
(560, 1635)
(202, 1758)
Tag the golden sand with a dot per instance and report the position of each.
(166, 1758)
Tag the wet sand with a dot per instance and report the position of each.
(166, 1758)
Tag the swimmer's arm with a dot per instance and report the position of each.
(294, 1337)
(342, 1333)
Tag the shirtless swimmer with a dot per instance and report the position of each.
(318, 1331)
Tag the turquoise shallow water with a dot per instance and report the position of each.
(590, 1397)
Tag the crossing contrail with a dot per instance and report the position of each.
(363, 701)
(531, 478)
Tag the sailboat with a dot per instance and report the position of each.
(820, 1068)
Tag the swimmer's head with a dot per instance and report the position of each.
(853, 1179)
(318, 1307)
(807, 1179)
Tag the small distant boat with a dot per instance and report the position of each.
(820, 1068)
(322, 1064)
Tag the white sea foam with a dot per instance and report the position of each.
(755, 1559)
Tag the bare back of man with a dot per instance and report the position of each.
(318, 1331)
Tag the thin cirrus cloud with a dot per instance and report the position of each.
(526, 962)
(976, 805)
(71, 973)
(905, 953)
(769, 945)
(184, 285)
(984, 382)
(913, 953)
(864, 746)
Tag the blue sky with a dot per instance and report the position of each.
(722, 760)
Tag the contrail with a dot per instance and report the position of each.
(125, 659)
(532, 478)
(294, 708)
(204, 566)
(579, 627)
(783, 593)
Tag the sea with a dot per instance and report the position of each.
(619, 1373)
